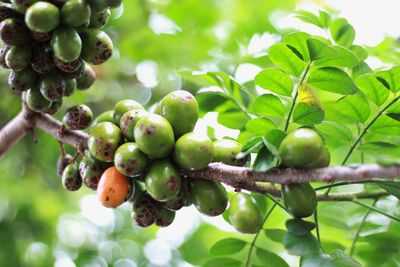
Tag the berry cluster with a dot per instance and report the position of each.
(48, 45)
(135, 156)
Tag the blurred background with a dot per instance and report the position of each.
(41, 224)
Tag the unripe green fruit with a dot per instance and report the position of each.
(226, 150)
(181, 110)
(54, 107)
(13, 32)
(163, 181)
(7, 12)
(300, 148)
(22, 80)
(42, 59)
(68, 67)
(209, 197)
(70, 87)
(76, 13)
(18, 57)
(124, 106)
(22, 5)
(91, 170)
(36, 101)
(144, 210)
(99, 17)
(41, 36)
(106, 116)
(154, 136)
(52, 87)
(42, 17)
(244, 213)
(62, 162)
(322, 161)
(300, 199)
(97, 46)
(193, 152)
(129, 120)
(163, 216)
(78, 117)
(70, 178)
(87, 78)
(129, 160)
(3, 52)
(104, 140)
(182, 199)
(66, 44)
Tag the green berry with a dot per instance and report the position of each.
(99, 17)
(193, 152)
(70, 178)
(74, 74)
(154, 136)
(97, 46)
(13, 32)
(76, 13)
(163, 216)
(42, 17)
(322, 161)
(87, 78)
(36, 101)
(129, 120)
(54, 107)
(226, 150)
(104, 117)
(297, 144)
(123, 106)
(182, 199)
(66, 44)
(129, 160)
(143, 213)
(181, 110)
(62, 162)
(91, 170)
(42, 59)
(209, 197)
(70, 87)
(163, 181)
(78, 117)
(300, 199)
(18, 57)
(22, 80)
(52, 87)
(104, 140)
(22, 5)
(244, 213)
(68, 67)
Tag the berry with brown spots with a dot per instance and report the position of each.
(52, 87)
(97, 46)
(35, 100)
(78, 117)
(18, 57)
(62, 162)
(13, 32)
(87, 78)
(113, 188)
(129, 160)
(42, 59)
(129, 120)
(104, 140)
(91, 170)
(70, 177)
(182, 199)
(164, 217)
(143, 213)
(124, 106)
(22, 80)
(99, 17)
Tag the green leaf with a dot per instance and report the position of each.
(391, 77)
(324, 18)
(336, 130)
(270, 259)
(281, 55)
(301, 245)
(386, 126)
(305, 114)
(391, 187)
(372, 88)
(342, 32)
(275, 235)
(227, 246)
(210, 99)
(260, 126)
(234, 120)
(361, 69)
(233, 87)
(359, 51)
(344, 58)
(262, 202)
(319, 50)
(317, 260)
(298, 40)
(332, 80)
(322, 21)
(383, 148)
(273, 140)
(222, 262)
(252, 144)
(276, 81)
(343, 260)
(395, 116)
(268, 105)
(200, 78)
(298, 227)
(354, 107)
(211, 133)
(265, 160)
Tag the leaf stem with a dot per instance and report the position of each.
(357, 235)
(296, 94)
(253, 243)
(376, 210)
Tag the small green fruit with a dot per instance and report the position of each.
(163, 181)
(300, 199)
(62, 162)
(154, 136)
(104, 140)
(209, 197)
(42, 17)
(104, 117)
(129, 160)
(123, 106)
(66, 44)
(182, 199)
(18, 57)
(91, 170)
(226, 150)
(22, 80)
(52, 87)
(13, 32)
(87, 78)
(300, 148)
(129, 120)
(99, 17)
(70, 178)
(193, 152)
(76, 13)
(322, 161)
(42, 59)
(97, 46)
(70, 87)
(181, 110)
(54, 107)
(245, 214)
(35, 100)
(78, 117)
(163, 216)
